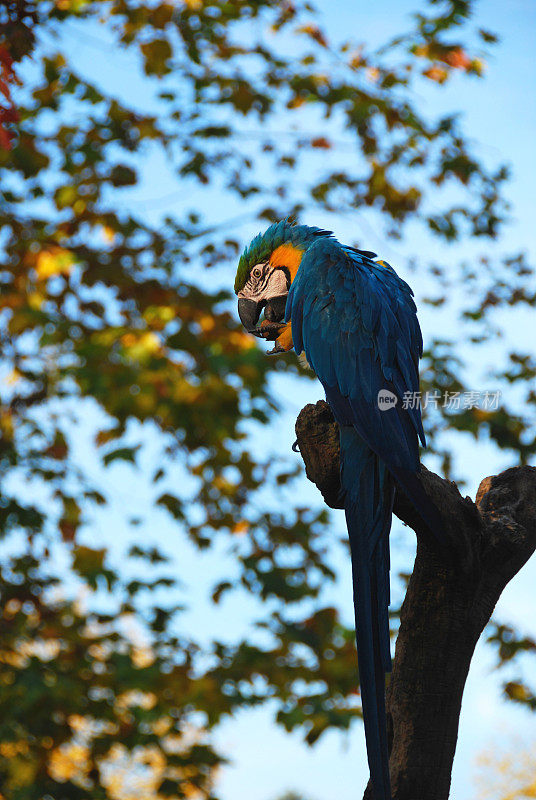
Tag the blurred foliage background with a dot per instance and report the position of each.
(507, 772)
(119, 337)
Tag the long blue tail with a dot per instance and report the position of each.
(369, 494)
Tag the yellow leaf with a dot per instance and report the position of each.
(35, 300)
(478, 66)
(242, 341)
(356, 58)
(162, 726)
(71, 5)
(141, 347)
(207, 323)
(13, 377)
(11, 749)
(108, 234)
(69, 761)
(53, 261)
(142, 657)
(65, 196)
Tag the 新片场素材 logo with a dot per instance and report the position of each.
(386, 400)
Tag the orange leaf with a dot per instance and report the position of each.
(457, 58)
(437, 74)
(321, 142)
(315, 33)
(241, 527)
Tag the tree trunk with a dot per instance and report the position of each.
(449, 600)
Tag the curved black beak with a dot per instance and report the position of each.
(275, 308)
(249, 312)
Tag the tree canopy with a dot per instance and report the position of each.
(122, 323)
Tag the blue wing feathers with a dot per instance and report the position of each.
(358, 326)
(356, 321)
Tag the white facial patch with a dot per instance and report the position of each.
(277, 283)
(264, 282)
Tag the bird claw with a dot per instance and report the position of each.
(269, 330)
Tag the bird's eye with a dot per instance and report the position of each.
(257, 272)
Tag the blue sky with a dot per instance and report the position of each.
(500, 115)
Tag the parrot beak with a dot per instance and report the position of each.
(275, 308)
(249, 312)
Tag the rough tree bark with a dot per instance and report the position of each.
(448, 602)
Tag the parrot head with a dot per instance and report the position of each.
(265, 273)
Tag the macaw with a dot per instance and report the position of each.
(355, 320)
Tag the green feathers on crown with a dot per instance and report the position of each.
(264, 244)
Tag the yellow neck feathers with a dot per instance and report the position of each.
(290, 257)
(287, 256)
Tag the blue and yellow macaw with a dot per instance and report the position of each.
(356, 322)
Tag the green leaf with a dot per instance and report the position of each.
(157, 55)
(122, 175)
(121, 454)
